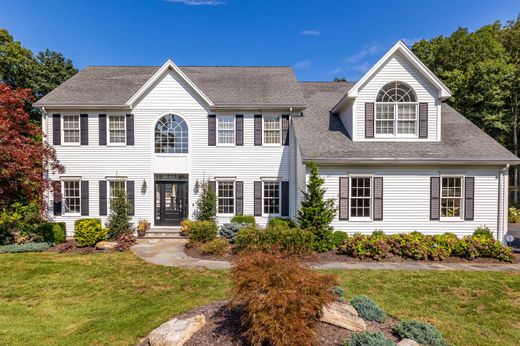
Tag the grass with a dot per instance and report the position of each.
(115, 298)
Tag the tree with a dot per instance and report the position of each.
(118, 220)
(315, 212)
(24, 159)
(207, 202)
(342, 79)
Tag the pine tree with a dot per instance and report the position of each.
(118, 221)
(316, 213)
(206, 204)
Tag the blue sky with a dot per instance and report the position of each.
(321, 39)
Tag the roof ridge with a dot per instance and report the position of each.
(234, 66)
(328, 82)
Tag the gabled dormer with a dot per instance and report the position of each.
(398, 99)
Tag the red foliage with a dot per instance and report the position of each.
(24, 158)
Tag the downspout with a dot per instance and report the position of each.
(503, 197)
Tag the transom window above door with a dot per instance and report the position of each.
(171, 135)
(396, 111)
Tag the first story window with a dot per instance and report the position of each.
(117, 129)
(226, 129)
(271, 197)
(451, 197)
(226, 197)
(71, 196)
(272, 129)
(71, 129)
(360, 197)
(114, 187)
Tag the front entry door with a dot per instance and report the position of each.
(171, 202)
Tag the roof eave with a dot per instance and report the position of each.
(256, 106)
(80, 106)
(398, 161)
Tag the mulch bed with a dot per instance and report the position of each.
(223, 328)
(331, 256)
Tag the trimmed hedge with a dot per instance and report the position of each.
(27, 247)
(88, 232)
(249, 219)
(423, 333)
(292, 241)
(202, 231)
(368, 309)
(52, 232)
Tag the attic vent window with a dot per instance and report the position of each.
(396, 111)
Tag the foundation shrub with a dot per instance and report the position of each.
(363, 246)
(217, 246)
(368, 309)
(289, 241)
(280, 297)
(281, 222)
(338, 238)
(202, 231)
(229, 231)
(249, 219)
(87, 232)
(483, 232)
(369, 339)
(52, 232)
(423, 333)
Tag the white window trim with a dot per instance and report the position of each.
(109, 143)
(234, 131)
(462, 191)
(396, 120)
(63, 197)
(228, 180)
(109, 189)
(371, 203)
(279, 144)
(272, 180)
(62, 131)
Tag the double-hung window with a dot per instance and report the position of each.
(117, 129)
(396, 111)
(226, 197)
(272, 129)
(71, 129)
(115, 186)
(226, 129)
(451, 197)
(72, 196)
(271, 198)
(360, 197)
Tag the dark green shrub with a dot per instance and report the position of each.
(27, 247)
(251, 238)
(378, 233)
(52, 232)
(18, 223)
(207, 203)
(249, 219)
(369, 339)
(362, 246)
(292, 241)
(229, 231)
(217, 246)
(423, 333)
(340, 292)
(118, 221)
(281, 222)
(368, 309)
(483, 232)
(88, 232)
(202, 231)
(338, 238)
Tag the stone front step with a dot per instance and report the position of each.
(163, 233)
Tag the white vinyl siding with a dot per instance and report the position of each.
(71, 129)
(226, 130)
(117, 129)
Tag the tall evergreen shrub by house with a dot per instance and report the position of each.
(207, 203)
(118, 221)
(316, 213)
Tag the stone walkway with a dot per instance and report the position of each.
(170, 252)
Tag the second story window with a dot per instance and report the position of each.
(396, 111)
(272, 129)
(171, 135)
(71, 129)
(226, 129)
(116, 129)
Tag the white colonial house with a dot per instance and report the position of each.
(394, 156)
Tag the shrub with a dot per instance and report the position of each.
(368, 309)
(207, 203)
(248, 219)
(281, 298)
(446, 241)
(473, 247)
(251, 238)
(292, 241)
(87, 232)
(369, 339)
(217, 246)
(125, 241)
(338, 238)
(18, 223)
(378, 233)
(27, 247)
(229, 230)
(362, 246)
(202, 231)
(118, 221)
(281, 222)
(412, 245)
(52, 232)
(513, 215)
(483, 232)
(423, 333)
(339, 292)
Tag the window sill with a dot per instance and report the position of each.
(171, 155)
(116, 144)
(226, 145)
(360, 219)
(71, 144)
(226, 215)
(451, 219)
(71, 214)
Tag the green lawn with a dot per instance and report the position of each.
(114, 299)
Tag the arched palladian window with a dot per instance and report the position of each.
(171, 135)
(396, 111)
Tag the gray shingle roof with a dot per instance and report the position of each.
(114, 85)
(323, 138)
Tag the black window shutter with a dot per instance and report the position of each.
(378, 198)
(423, 120)
(84, 198)
(130, 196)
(57, 197)
(239, 123)
(258, 198)
(83, 125)
(130, 129)
(469, 198)
(435, 190)
(102, 197)
(285, 129)
(258, 129)
(212, 130)
(103, 129)
(239, 199)
(369, 119)
(56, 129)
(285, 198)
(343, 198)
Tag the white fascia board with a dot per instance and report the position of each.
(168, 65)
(258, 107)
(80, 106)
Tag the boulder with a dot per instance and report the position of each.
(408, 342)
(106, 245)
(176, 331)
(344, 316)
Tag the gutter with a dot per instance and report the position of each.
(80, 106)
(396, 161)
(238, 106)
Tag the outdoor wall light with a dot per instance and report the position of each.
(144, 186)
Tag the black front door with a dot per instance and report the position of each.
(171, 202)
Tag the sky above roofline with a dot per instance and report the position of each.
(320, 40)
